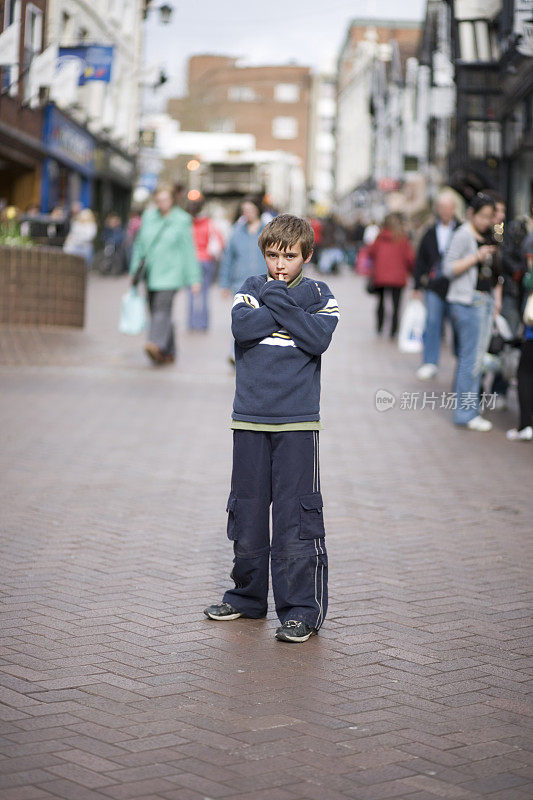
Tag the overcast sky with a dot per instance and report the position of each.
(308, 32)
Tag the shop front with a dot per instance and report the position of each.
(68, 169)
(113, 181)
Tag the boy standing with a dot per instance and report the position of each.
(282, 322)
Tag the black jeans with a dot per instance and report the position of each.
(161, 328)
(525, 384)
(395, 293)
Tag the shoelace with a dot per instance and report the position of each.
(292, 623)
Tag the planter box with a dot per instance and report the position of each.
(41, 286)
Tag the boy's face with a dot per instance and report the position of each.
(285, 265)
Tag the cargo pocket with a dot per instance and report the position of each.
(230, 508)
(311, 516)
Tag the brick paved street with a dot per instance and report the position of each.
(114, 685)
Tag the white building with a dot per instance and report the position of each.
(109, 108)
(373, 50)
(321, 158)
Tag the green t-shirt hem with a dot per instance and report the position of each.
(311, 425)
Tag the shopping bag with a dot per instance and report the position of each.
(412, 327)
(132, 313)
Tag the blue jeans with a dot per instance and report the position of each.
(485, 308)
(437, 309)
(466, 323)
(198, 303)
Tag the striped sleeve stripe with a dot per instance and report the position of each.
(245, 298)
(331, 308)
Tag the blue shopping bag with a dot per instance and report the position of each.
(132, 313)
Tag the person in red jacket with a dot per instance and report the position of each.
(393, 260)
(209, 246)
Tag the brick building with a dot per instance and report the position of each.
(270, 102)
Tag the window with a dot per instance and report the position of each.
(484, 140)
(222, 125)
(33, 35)
(477, 41)
(284, 128)
(10, 75)
(286, 93)
(241, 94)
(11, 12)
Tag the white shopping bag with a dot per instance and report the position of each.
(132, 313)
(412, 327)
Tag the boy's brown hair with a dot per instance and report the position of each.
(287, 230)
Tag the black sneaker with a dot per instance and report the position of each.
(294, 631)
(223, 611)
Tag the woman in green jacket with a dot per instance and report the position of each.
(165, 242)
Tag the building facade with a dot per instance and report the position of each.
(270, 102)
(21, 150)
(493, 61)
(321, 158)
(373, 54)
(74, 87)
(413, 107)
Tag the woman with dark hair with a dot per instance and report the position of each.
(242, 257)
(466, 264)
(393, 260)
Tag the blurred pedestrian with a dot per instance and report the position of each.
(466, 262)
(428, 275)
(524, 431)
(164, 251)
(209, 245)
(242, 256)
(331, 254)
(393, 260)
(82, 233)
(111, 261)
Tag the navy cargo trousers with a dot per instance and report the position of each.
(281, 469)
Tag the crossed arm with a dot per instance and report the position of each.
(311, 330)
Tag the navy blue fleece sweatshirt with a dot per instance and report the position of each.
(280, 334)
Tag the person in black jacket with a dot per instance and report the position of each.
(428, 276)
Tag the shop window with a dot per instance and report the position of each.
(284, 128)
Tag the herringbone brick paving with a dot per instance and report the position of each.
(115, 477)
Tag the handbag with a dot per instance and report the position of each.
(141, 271)
(370, 285)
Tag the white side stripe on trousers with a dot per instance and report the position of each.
(319, 550)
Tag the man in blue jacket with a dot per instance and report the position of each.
(282, 322)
